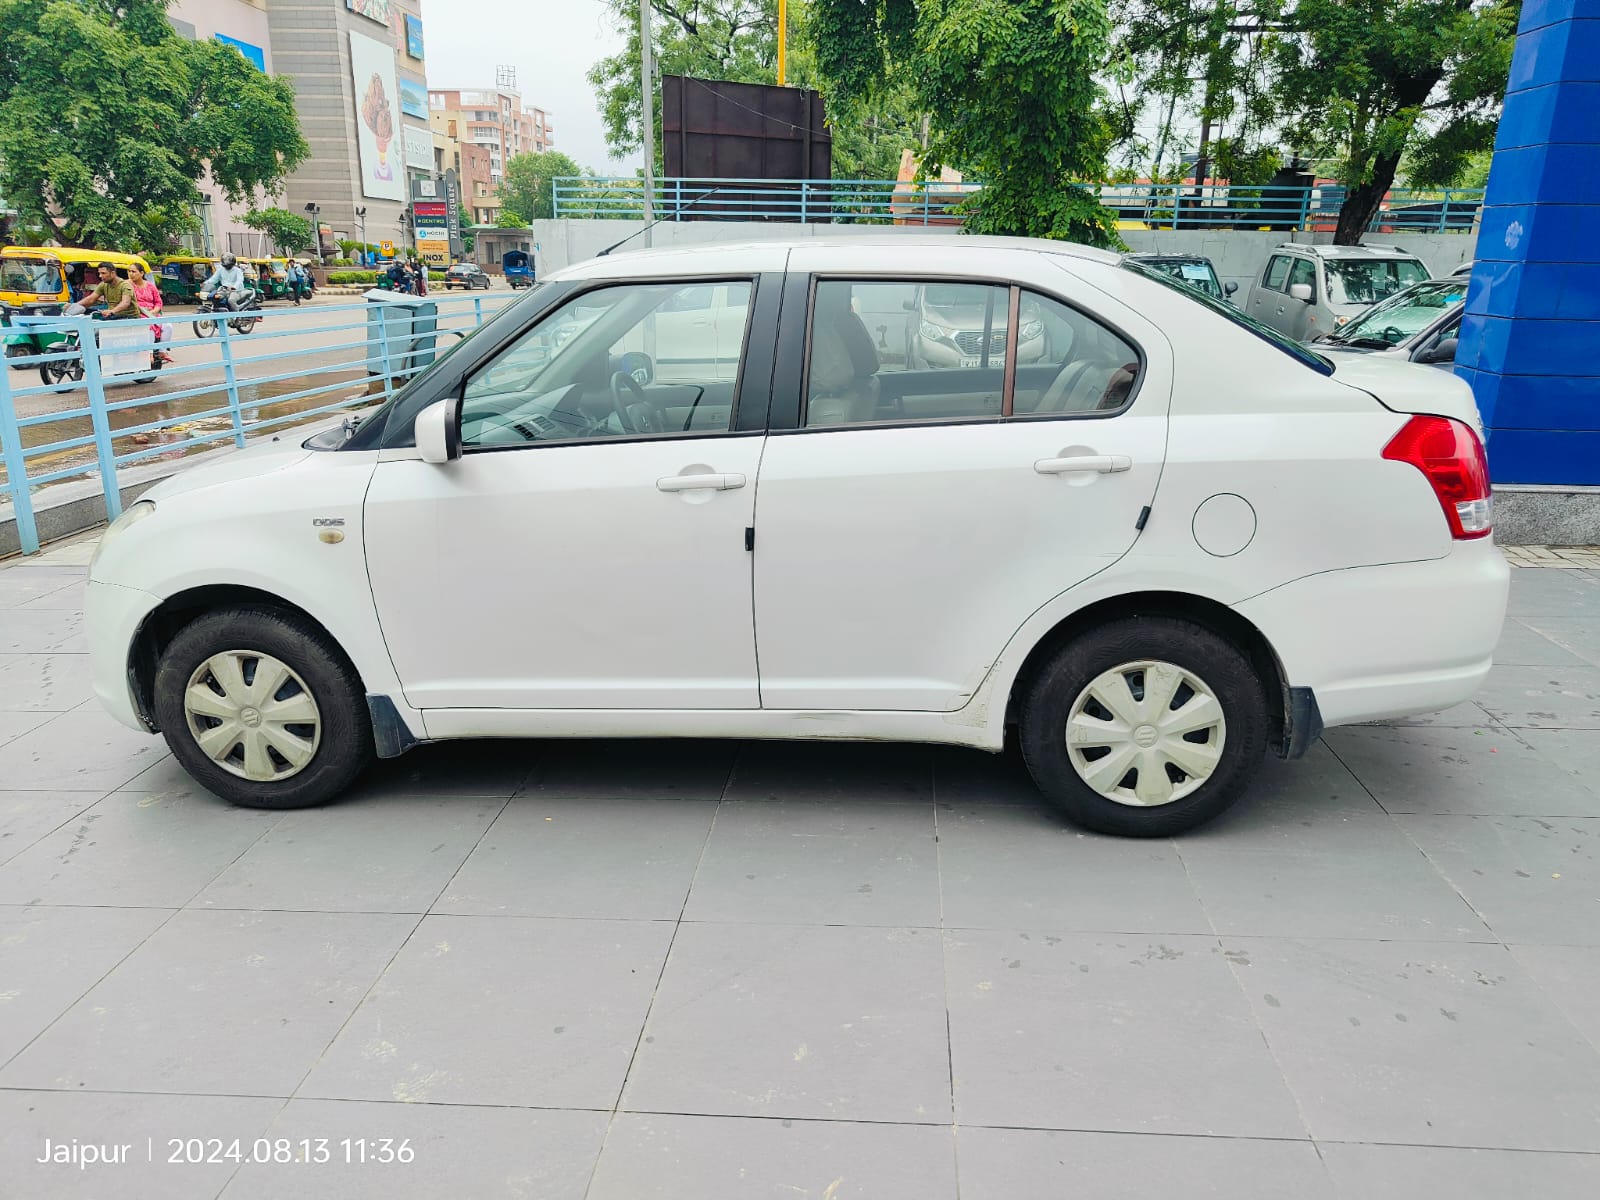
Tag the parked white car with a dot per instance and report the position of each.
(1307, 290)
(1177, 542)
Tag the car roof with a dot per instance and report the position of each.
(1373, 250)
(1154, 256)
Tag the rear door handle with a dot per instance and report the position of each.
(691, 483)
(1100, 464)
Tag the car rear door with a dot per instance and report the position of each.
(909, 521)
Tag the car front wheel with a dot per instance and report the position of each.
(263, 709)
(1145, 727)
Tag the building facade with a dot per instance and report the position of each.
(360, 80)
(481, 131)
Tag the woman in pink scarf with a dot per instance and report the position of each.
(148, 297)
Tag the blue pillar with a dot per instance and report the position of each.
(1530, 341)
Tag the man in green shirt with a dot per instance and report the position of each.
(115, 293)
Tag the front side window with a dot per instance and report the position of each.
(616, 362)
(1277, 272)
(1304, 272)
(1368, 280)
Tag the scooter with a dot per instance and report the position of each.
(21, 343)
(241, 323)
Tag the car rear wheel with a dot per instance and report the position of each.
(263, 709)
(1145, 727)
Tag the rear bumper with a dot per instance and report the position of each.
(113, 615)
(1390, 641)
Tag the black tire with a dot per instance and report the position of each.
(204, 328)
(16, 350)
(345, 745)
(245, 324)
(1210, 658)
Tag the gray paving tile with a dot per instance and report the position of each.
(831, 771)
(1088, 1031)
(1533, 880)
(15, 724)
(865, 863)
(389, 855)
(168, 778)
(25, 817)
(797, 1021)
(501, 1010)
(1021, 868)
(634, 769)
(1570, 976)
(1459, 771)
(1286, 791)
(146, 1125)
(1576, 751)
(1541, 593)
(1412, 1172)
(51, 956)
(1421, 1043)
(1543, 697)
(133, 849)
(493, 768)
(1325, 874)
(216, 1002)
(656, 1157)
(1034, 1164)
(1523, 644)
(620, 859)
(83, 751)
(18, 588)
(41, 631)
(44, 682)
(976, 777)
(481, 1153)
(72, 598)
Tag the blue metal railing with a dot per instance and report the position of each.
(229, 386)
(933, 202)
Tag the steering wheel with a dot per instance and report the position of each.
(1392, 335)
(618, 381)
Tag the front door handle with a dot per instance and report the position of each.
(692, 483)
(1100, 464)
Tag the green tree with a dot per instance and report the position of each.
(290, 232)
(1011, 95)
(528, 185)
(1371, 81)
(707, 39)
(109, 150)
(510, 219)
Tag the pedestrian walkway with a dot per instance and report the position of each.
(705, 970)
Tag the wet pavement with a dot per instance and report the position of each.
(711, 970)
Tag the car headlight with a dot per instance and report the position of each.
(132, 515)
(935, 333)
(1031, 330)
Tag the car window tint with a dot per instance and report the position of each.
(885, 352)
(1068, 363)
(1366, 281)
(1304, 272)
(631, 360)
(1277, 272)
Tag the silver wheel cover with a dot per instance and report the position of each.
(1145, 733)
(252, 715)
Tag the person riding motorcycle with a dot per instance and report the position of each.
(228, 278)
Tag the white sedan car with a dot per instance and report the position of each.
(1175, 543)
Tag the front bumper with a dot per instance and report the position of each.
(1389, 641)
(113, 615)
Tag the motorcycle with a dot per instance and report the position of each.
(240, 322)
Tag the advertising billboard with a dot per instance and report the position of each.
(378, 10)
(254, 53)
(413, 98)
(419, 148)
(377, 121)
(413, 36)
(432, 223)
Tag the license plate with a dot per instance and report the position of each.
(971, 362)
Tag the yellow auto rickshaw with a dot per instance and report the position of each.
(56, 274)
(181, 276)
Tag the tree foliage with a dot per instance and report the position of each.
(109, 152)
(1010, 92)
(290, 232)
(528, 185)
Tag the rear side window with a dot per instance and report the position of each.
(1277, 272)
(1070, 364)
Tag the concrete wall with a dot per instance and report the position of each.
(1237, 255)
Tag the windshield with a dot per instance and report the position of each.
(1368, 280)
(1405, 314)
(1223, 309)
(40, 276)
(1198, 275)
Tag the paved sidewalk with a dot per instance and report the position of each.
(709, 971)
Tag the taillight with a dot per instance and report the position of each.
(1451, 456)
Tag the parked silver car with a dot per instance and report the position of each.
(1307, 291)
(1419, 324)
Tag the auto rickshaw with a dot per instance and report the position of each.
(518, 268)
(272, 276)
(40, 281)
(181, 276)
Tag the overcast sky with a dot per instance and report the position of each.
(552, 44)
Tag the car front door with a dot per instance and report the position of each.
(587, 550)
(1300, 316)
(908, 521)
(1268, 303)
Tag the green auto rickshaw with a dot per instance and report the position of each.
(180, 277)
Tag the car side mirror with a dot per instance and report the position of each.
(1442, 351)
(1300, 291)
(1229, 288)
(438, 431)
